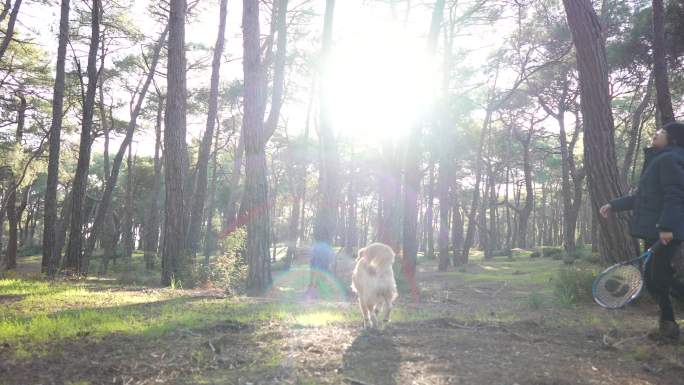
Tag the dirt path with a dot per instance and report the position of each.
(478, 333)
(466, 329)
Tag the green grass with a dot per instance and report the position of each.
(35, 313)
(524, 272)
(573, 285)
(54, 312)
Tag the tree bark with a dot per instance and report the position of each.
(210, 237)
(663, 96)
(12, 220)
(48, 262)
(326, 212)
(456, 227)
(475, 202)
(526, 210)
(104, 207)
(152, 227)
(9, 32)
(298, 164)
(413, 175)
(13, 211)
(175, 148)
(74, 260)
(200, 186)
(637, 122)
(231, 217)
(351, 239)
(599, 143)
(443, 180)
(429, 213)
(271, 123)
(255, 198)
(389, 185)
(127, 226)
(490, 205)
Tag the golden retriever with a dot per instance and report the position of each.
(373, 282)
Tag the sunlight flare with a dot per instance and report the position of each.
(379, 82)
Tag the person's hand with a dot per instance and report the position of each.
(605, 210)
(666, 237)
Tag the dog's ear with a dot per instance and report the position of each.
(362, 253)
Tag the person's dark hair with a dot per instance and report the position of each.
(675, 133)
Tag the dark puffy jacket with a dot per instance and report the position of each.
(658, 204)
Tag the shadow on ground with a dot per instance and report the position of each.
(372, 358)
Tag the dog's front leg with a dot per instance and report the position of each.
(365, 312)
(373, 312)
(387, 308)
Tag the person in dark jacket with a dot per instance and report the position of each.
(658, 215)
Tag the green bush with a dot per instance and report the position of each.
(229, 270)
(403, 286)
(502, 253)
(27, 251)
(554, 252)
(573, 285)
(592, 258)
(536, 300)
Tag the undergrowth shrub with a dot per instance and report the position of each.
(573, 285)
(229, 269)
(535, 300)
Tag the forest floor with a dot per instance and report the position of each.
(492, 322)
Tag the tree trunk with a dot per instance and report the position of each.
(351, 239)
(298, 168)
(569, 215)
(127, 226)
(175, 148)
(429, 214)
(62, 227)
(637, 122)
(74, 260)
(366, 225)
(9, 32)
(475, 202)
(326, 212)
(525, 212)
(599, 146)
(389, 179)
(104, 207)
(413, 176)
(280, 17)
(14, 212)
(50, 252)
(30, 241)
(443, 179)
(231, 217)
(456, 227)
(293, 231)
(509, 224)
(255, 198)
(12, 219)
(152, 227)
(489, 205)
(200, 186)
(660, 63)
(210, 237)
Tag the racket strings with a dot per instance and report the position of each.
(618, 286)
